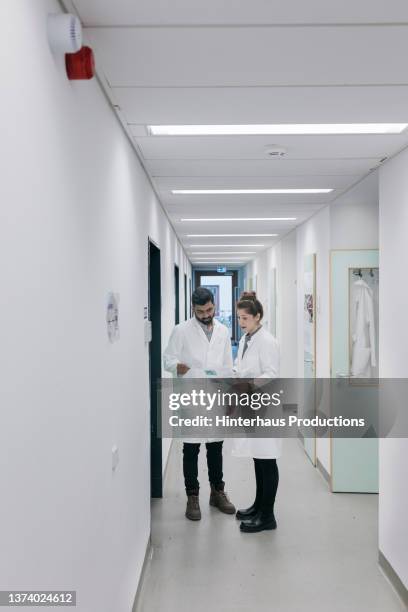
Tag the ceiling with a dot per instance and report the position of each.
(267, 61)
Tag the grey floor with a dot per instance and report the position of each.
(322, 557)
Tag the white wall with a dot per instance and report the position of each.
(287, 303)
(353, 225)
(350, 222)
(393, 333)
(77, 209)
(354, 216)
(314, 237)
(282, 257)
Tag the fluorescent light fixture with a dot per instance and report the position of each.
(303, 129)
(212, 263)
(223, 258)
(224, 245)
(194, 253)
(230, 235)
(247, 191)
(246, 219)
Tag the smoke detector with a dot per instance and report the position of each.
(275, 151)
(64, 33)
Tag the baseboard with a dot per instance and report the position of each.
(323, 471)
(146, 561)
(167, 462)
(149, 548)
(393, 577)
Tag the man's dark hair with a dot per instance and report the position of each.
(202, 296)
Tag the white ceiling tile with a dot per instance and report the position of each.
(240, 209)
(259, 167)
(205, 202)
(166, 184)
(107, 12)
(254, 147)
(263, 56)
(209, 105)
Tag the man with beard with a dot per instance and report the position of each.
(200, 347)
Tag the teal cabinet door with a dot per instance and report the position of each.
(354, 462)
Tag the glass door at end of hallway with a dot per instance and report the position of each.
(223, 287)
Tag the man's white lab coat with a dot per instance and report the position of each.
(188, 344)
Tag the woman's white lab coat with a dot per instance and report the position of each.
(261, 360)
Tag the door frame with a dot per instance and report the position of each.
(234, 283)
(155, 372)
(176, 294)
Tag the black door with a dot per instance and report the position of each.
(185, 297)
(177, 294)
(156, 468)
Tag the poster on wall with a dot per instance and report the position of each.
(308, 401)
(272, 307)
(112, 317)
(309, 316)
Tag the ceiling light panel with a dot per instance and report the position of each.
(222, 258)
(314, 129)
(195, 253)
(245, 219)
(231, 235)
(248, 191)
(224, 245)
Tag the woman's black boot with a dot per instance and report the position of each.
(261, 522)
(247, 513)
(269, 478)
(250, 512)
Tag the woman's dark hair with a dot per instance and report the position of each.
(250, 304)
(202, 296)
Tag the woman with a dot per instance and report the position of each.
(258, 357)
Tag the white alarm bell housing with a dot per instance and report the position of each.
(64, 33)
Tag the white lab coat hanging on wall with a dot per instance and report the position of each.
(188, 344)
(261, 360)
(363, 333)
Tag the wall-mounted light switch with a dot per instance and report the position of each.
(115, 457)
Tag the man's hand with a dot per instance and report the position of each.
(241, 386)
(182, 369)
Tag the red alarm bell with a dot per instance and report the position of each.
(81, 65)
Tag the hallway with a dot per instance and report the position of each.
(322, 557)
(177, 177)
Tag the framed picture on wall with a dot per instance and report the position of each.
(309, 316)
(272, 307)
(308, 403)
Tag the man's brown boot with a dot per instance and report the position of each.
(219, 499)
(193, 511)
